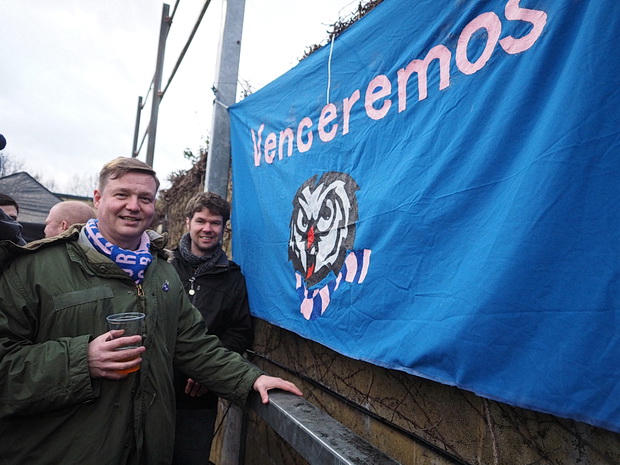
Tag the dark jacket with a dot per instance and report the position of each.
(221, 297)
(54, 297)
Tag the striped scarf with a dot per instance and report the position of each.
(132, 262)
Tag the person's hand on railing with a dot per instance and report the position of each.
(265, 383)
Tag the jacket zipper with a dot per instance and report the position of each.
(140, 290)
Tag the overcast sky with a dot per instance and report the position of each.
(71, 72)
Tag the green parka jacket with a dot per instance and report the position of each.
(54, 298)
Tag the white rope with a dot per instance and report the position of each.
(329, 67)
(221, 104)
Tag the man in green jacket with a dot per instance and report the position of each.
(63, 398)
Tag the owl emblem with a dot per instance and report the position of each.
(322, 227)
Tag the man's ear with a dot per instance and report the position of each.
(187, 221)
(96, 198)
(64, 225)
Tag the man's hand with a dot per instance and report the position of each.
(264, 383)
(104, 361)
(195, 389)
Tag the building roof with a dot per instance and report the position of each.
(34, 201)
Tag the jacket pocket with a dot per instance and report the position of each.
(83, 296)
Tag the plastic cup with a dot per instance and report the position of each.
(133, 324)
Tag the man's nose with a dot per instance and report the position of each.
(133, 203)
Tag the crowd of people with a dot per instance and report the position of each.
(64, 383)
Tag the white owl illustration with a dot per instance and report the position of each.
(322, 225)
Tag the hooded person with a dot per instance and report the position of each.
(10, 229)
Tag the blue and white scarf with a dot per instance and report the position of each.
(132, 262)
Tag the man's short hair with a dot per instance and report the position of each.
(122, 165)
(8, 200)
(215, 203)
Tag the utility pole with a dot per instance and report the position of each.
(134, 150)
(218, 165)
(157, 96)
(225, 88)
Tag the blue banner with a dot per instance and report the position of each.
(438, 191)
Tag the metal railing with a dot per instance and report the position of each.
(315, 435)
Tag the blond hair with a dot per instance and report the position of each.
(122, 165)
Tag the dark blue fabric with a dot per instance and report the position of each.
(488, 212)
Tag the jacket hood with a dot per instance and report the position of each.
(9, 250)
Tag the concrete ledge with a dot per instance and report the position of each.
(316, 436)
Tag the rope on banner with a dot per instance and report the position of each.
(216, 99)
(221, 104)
(329, 67)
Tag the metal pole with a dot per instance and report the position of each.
(227, 70)
(163, 34)
(134, 152)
